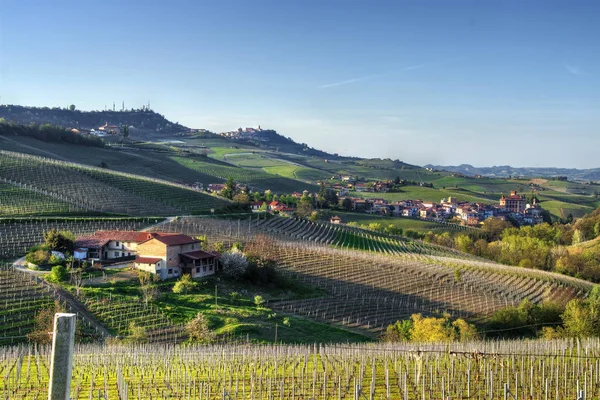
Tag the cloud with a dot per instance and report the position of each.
(574, 70)
(347, 81)
(363, 78)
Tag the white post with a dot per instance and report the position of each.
(62, 356)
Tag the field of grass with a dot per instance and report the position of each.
(255, 178)
(232, 315)
(414, 224)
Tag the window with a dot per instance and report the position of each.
(197, 270)
(116, 254)
(117, 244)
(170, 271)
(205, 268)
(210, 268)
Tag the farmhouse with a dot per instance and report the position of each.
(171, 255)
(108, 245)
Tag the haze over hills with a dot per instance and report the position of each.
(505, 171)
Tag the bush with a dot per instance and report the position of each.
(38, 257)
(58, 274)
(259, 301)
(185, 284)
(198, 330)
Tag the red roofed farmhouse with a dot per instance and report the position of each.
(171, 255)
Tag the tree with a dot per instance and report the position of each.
(259, 300)
(126, 131)
(398, 332)
(578, 236)
(198, 329)
(137, 334)
(431, 329)
(185, 284)
(58, 274)
(72, 107)
(347, 204)
(43, 324)
(230, 189)
(234, 264)
(304, 209)
(241, 198)
(63, 241)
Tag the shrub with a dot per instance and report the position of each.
(185, 284)
(38, 257)
(58, 274)
(198, 329)
(259, 300)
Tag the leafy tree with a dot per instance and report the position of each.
(431, 329)
(230, 189)
(38, 257)
(234, 264)
(126, 131)
(59, 240)
(314, 216)
(43, 324)
(305, 207)
(72, 107)
(198, 329)
(259, 301)
(185, 284)
(578, 237)
(58, 274)
(399, 331)
(347, 204)
(241, 198)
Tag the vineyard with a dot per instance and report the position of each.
(254, 178)
(16, 200)
(100, 190)
(368, 291)
(20, 299)
(474, 370)
(18, 235)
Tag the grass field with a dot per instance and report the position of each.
(232, 314)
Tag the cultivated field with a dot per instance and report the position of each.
(475, 370)
(369, 290)
(101, 190)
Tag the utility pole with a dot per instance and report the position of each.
(63, 341)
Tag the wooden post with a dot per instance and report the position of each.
(62, 356)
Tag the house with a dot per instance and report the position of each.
(513, 203)
(106, 128)
(171, 255)
(362, 187)
(335, 220)
(216, 187)
(256, 205)
(108, 245)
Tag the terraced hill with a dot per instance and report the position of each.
(100, 190)
(369, 290)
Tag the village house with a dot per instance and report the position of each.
(112, 129)
(109, 246)
(335, 220)
(513, 203)
(170, 255)
(362, 187)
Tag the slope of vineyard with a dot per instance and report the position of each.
(102, 190)
(17, 200)
(20, 299)
(368, 290)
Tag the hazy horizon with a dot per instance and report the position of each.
(437, 82)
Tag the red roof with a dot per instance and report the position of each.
(198, 255)
(173, 239)
(123, 236)
(147, 260)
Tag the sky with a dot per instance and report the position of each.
(483, 82)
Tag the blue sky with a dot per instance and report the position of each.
(442, 82)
